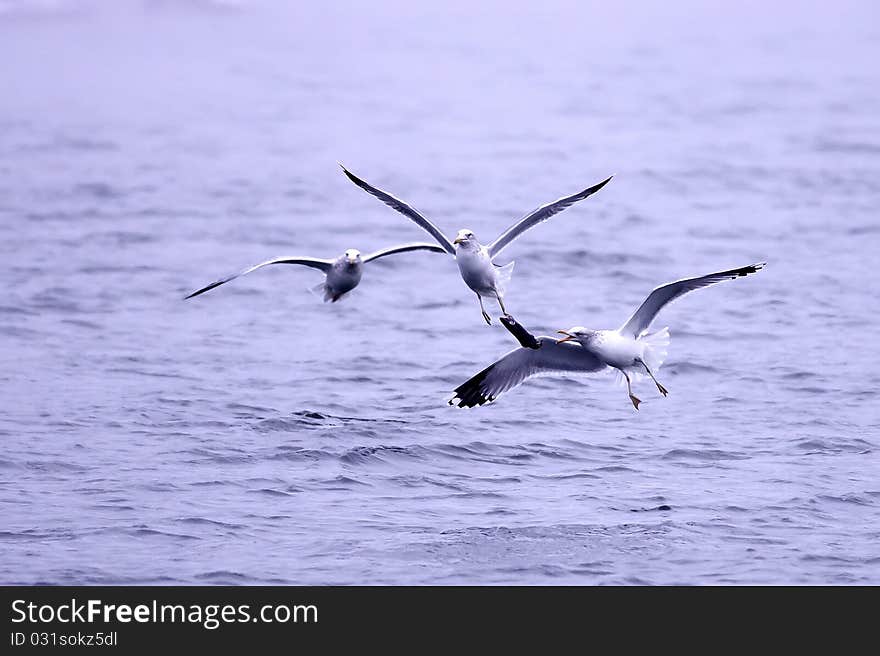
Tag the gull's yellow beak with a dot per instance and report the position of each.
(457, 240)
(568, 337)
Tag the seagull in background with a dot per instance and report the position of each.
(341, 275)
(475, 261)
(629, 349)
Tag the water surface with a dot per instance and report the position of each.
(255, 435)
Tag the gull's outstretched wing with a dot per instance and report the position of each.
(403, 248)
(404, 209)
(641, 320)
(539, 216)
(550, 359)
(315, 263)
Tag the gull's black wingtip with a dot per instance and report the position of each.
(204, 289)
(523, 336)
(468, 403)
(351, 176)
(597, 187)
(470, 393)
(741, 272)
(746, 270)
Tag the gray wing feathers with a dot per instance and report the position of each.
(404, 209)
(404, 248)
(315, 263)
(539, 216)
(551, 359)
(641, 320)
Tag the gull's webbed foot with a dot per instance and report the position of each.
(486, 317)
(663, 390)
(635, 401)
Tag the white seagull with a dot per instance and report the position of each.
(342, 274)
(629, 349)
(475, 261)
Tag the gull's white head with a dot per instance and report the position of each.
(465, 237)
(352, 256)
(576, 333)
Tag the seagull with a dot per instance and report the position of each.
(475, 261)
(342, 274)
(629, 349)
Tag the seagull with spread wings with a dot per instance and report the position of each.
(341, 275)
(629, 349)
(475, 261)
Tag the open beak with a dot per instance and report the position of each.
(568, 337)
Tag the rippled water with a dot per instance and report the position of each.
(256, 435)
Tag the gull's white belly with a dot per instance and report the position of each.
(476, 269)
(615, 349)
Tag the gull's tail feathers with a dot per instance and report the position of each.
(655, 346)
(503, 275)
(653, 354)
(655, 349)
(322, 291)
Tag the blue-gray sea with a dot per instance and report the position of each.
(255, 435)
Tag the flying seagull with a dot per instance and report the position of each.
(475, 261)
(629, 349)
(342, 274)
